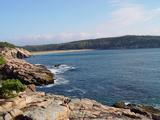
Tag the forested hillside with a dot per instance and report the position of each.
(124, 42)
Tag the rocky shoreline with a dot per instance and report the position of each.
(33, 105)
(17, 68)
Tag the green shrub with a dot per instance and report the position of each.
(10, 88)
(2, 60)
(7, 93)
(6, 44)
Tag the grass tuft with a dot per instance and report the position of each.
(2, 60)
(10, 88)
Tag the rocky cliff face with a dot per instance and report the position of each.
(17, 68)
(27, 73)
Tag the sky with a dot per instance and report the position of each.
(33, 22)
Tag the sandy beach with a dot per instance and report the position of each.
(58, 51)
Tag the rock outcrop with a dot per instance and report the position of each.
(34, 106)
(17, 68)
(39, 106)
(27, 73)
(148, 111)
(15, 53)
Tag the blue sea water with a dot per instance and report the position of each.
(105, 75)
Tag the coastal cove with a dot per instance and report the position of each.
(20, 100)
(107, 76)
(80, 60)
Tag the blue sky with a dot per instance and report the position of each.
(25, 22)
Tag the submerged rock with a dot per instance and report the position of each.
(57, 65)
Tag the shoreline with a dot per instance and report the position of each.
(58, 51)
(31, 104)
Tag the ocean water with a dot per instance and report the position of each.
(105, 75)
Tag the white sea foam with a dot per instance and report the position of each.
(76, 89)
(61, 69)
(58, 71)
(58, 81)
(127, 103)
(38, 64)
(157, 106)
(46, 86)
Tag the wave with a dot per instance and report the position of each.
(127, 103)
(76, 89)
(46, 86)
(58, 81)
(37, 64)
(60, 69)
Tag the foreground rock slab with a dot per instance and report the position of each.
(39, 106)
(35, 106)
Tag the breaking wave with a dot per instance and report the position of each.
(58, 70)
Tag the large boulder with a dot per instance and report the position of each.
(27, 73)
(52, 112)
(36, 106)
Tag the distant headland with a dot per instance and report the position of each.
(122, 42)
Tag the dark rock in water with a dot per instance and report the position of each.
(144, 110)
(120, 104)
(139, 110)
(42, 66)
(155, 113)
(57, 65)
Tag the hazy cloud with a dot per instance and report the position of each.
(130, 18)
(59, 38)
(126, 18)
